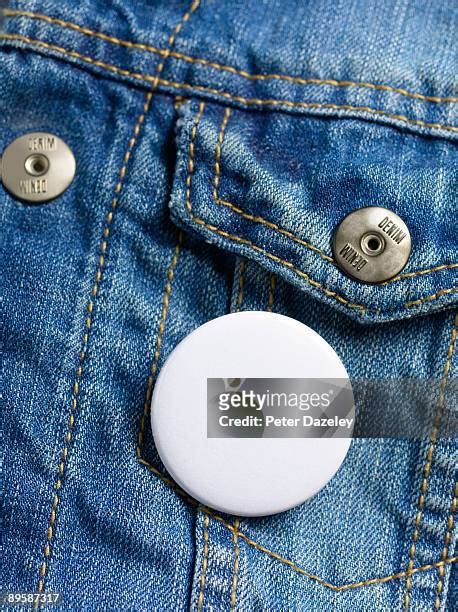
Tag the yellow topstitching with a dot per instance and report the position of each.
(224, 67)
(288, 233)
(272, 102)
(429, 459)
(89, 312)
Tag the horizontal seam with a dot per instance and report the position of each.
(257, 248)
(337, 588)
(438, 268)
(258, 219)
(430, 298)
(311, 247)
(275, 103)
(224, 67)
(312, 282)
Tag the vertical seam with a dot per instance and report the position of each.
(219, 144)
(240, 295)
(83, 352)
(429, 459)
(272, 287)
(168, 288)
(94, 292)
(235, 539)
(203, 572)
(448, 536)
(216, 177)
(157, 352)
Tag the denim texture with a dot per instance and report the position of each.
(258, 180)
(183, 209)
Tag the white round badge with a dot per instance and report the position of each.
(252, 413)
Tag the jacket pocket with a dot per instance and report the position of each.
(274, 187)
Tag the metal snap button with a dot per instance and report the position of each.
(372, 244)
(37, 167)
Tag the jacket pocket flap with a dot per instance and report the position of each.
(274, 187)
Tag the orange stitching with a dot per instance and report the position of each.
(255, 247)
(275, 227)
(353, 585)
(448, 536)
(94, 292)
(157, 352)
(203, 572)
(344, 587)
(430, 298)
(239, 211)
(84, 58)
(289, 234)
(272, 287)
(216, 174)
(290, 104)
(281, 230)
(235, 539)
(82, 355)
(246, 101)
(422, 272)
(224, 67)
(178, 102)
(168, 481)
(241, 285)
(217, 230)
(429, 458)
(83, 30)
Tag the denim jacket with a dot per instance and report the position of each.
(218, 146)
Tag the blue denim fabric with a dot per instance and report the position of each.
(295, 115)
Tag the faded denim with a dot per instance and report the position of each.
(218, 146)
